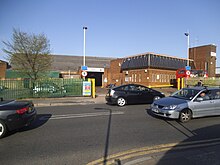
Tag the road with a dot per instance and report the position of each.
(80, 134)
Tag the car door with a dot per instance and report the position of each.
(215, 102)
(203, 106)
(133, 94)
(146, 94)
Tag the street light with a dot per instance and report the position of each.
(187, 34)
(84, 46)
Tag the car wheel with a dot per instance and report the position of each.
(121, 102)
(185, 116)
(3, 129)
(156, 98)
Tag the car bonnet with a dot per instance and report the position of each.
(166, 101)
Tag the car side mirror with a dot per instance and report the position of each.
(199, 99)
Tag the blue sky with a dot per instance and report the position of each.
(116, 28)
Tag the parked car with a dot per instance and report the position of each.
(15, 114)
(109, 86)
(46, 87)
(132, 94)
(2, 88)
(188, 103)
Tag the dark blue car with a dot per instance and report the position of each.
(132, 94)
(15, 114)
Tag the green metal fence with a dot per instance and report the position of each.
(16, 89)
(211, 81)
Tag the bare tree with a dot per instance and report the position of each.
(29, 54)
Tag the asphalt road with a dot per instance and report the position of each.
(80, 134)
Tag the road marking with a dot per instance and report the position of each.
(154, 149)
(69, 116)
(138, 161)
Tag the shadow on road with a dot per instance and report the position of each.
(202, 146)
(202, 149)
(105, 156)
(35, 124)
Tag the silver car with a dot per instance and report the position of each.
(188, 103)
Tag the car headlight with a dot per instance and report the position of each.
(172, 107)
(112, 92)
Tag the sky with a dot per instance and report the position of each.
(116, 28)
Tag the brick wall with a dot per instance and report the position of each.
(3, 67)
(113, 74)
(149, 77)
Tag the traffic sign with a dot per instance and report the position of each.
(187, 72)
(84, 73)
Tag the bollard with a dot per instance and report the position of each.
(92, 80)
(178, 84)
(182, 83)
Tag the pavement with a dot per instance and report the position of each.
(43, 102)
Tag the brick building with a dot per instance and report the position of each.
(152, 69)
(147, 69)
(204, 58)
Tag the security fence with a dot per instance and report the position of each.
(25, 88)
(212, 81)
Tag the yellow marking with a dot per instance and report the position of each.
(120, 154)
(154, 149)
(160, 86)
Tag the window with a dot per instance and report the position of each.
(215, 94)
(139, 77)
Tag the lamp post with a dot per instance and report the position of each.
(84, 46)
(187, 35)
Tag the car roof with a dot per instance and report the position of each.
(128, 84)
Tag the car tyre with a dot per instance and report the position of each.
(3, 129)
(121, 101)
(185, 115)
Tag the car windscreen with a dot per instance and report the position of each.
(186, 93)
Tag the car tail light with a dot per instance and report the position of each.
(112, 92)
(22, 110)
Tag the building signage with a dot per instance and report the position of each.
(86, 88)
(213, 54)
(84, 67)
(95, 69)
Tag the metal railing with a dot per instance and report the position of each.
(59, 87)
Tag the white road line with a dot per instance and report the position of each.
(138, 160)
(68, 116)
